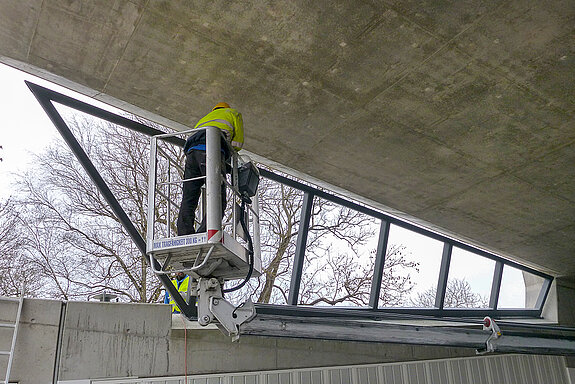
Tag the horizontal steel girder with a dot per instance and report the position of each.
(383, 332)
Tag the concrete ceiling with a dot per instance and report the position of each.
(459, 113)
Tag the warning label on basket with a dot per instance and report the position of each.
(180, 241)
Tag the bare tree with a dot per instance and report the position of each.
(458, 294)
(338, 266)
(344, 278)
(79, 248)
(72, 235)
(15, 269)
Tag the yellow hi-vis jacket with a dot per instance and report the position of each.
(228, 120)
(183, 288)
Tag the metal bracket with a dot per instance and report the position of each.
(490, 326)
(230, 317)
(213, 308)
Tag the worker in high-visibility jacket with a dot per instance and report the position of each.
(230, 122)
(182, 282)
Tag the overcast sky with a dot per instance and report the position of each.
(25, 128)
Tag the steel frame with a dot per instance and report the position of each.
(514, 339)
(45, 97)
(448, 242)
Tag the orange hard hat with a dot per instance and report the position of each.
(221, 105)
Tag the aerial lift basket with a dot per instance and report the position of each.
(219, 252)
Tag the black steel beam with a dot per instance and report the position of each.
(379, 264)
(299, 258)
(543, 293)
(387, 332)
(393, 220)
(443, 275)
(43, 96)
(101, 113)
(496, 285)
(367, 312)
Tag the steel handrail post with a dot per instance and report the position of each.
(213, 185)
(151, 192)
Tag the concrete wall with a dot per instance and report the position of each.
(91, 340)
(565, 300)
(210, 352)
(565, 295)
(493, 369)
(114, 339)
(35, 353)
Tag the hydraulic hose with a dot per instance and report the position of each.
(250, 248)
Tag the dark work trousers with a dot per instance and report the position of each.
(195, 167)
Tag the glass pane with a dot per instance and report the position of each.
(519, 289)
(340, 254)
(469, 280)
(411, 269)
(280, 211)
